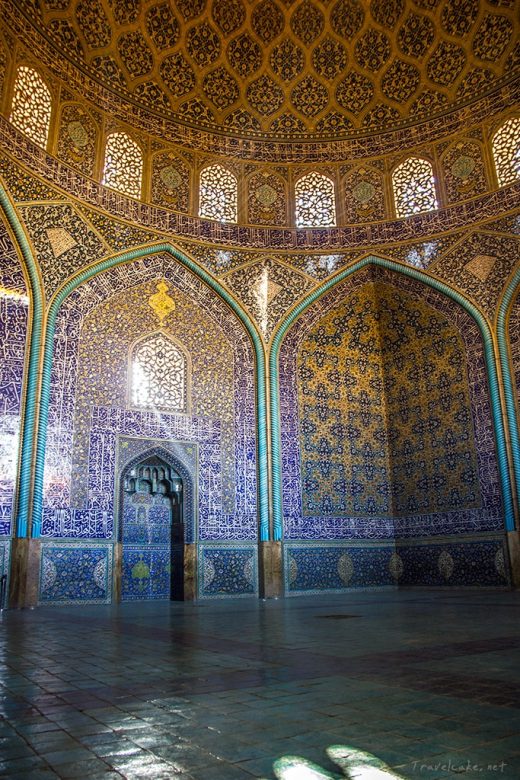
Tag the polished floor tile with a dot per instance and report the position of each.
(408, 684)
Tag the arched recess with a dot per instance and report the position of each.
(509, 298)
(489, 356)
(92, 422)
(188, 267)
(35, 329)
(169, 525)
(14, 346)
(190, 497)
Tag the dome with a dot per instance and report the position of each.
(279, 70)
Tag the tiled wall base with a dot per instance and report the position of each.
(476, 562)
(227, 570)
(315, 568)
(5, 553)
(146, 573)
(76, 573)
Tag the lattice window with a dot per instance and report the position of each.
(158, 374)
(32, 105)
(123, 165)
(506, 151)
(414, 187)
(218, 194)
(315, 201)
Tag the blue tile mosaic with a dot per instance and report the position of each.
(227, 570)
(181, 456)
(13, 333)
(464, 491)
(146, 572)
(76, 573)
(314, 568)
(456, 564)
(80, 478)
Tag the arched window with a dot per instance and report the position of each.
(123, 165)
(32, 105)
(315, 201)
(506, 151)
(158, 374)
(218, 194)
(414, 187)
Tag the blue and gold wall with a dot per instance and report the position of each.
(389, 461)
(376, 445)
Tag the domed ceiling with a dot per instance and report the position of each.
(287, 68)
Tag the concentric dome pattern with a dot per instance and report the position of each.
(282, 68)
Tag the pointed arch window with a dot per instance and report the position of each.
(315, 201)
(123, 169)
(158, 374)
(414, 187)
(506, 151)
(218, 194)
(31, 105)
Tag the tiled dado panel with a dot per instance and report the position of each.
(81, 573)
(388, 446)
(227, 570)
(75, 573)
(13, 330)
(146, 572)
(476, 562)
(312, 567)
(89, 407)
(315, 568)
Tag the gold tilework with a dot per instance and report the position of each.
(384, 409)
(106, 338)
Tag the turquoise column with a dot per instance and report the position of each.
(85, 275)
(507, 378)
(490, 368)
(29, 420)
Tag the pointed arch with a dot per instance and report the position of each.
(218, 194)
(171, 180)
(508, 299)
(315, 201)
(491, 369)
(31, 105)
(189, 492)
(123, 166)
(505, 146)
(413, 185)
(35, 324)
(213, 284)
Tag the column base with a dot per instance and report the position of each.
(25, 573)
(270, 570)
(513, 544)
(190, 572)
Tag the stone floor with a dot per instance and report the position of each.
(409, 684)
